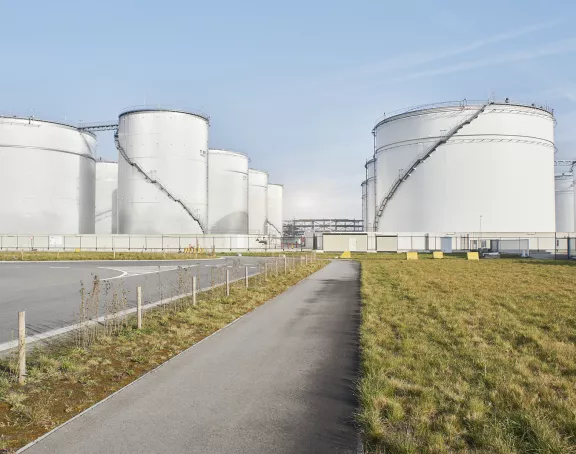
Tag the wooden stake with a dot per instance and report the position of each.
(194, 291)
(227, 282)
(246, 276)
(21, 347)
(139, 307)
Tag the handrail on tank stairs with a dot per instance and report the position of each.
(279, 231)
(420, 159)
(157, 183)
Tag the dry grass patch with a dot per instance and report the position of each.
(471, 357)
(63, 381)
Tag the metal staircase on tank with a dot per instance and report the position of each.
(275, 228)
(420, 159)
(159, 185)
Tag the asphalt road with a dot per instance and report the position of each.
(49, 292)
(279, 380)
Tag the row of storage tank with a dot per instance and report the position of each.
(166, 180)
(467, 166)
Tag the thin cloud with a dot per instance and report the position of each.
(421, 58)
(556, 48)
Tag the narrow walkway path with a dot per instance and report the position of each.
(280, 380)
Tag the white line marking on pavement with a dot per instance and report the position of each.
(124, 273)
(141, 271)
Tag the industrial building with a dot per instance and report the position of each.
(47, 177)
(466, 166)
(106, 208)
(274, 208)
(166, 182)
(227, 192)
(162, 172)
(257, 201)
(565, 202)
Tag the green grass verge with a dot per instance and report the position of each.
(63, 380)
(468, 357)
(53, 256)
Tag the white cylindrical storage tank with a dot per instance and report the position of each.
(257, 201)
(162, 172)
(370, 194)
(564, 202)
(452, 167)
(47, 177)
(106, 197)
(227, 192)
(364, 216)
(275, 213)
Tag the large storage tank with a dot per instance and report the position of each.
(227, 192)
(257, 201)
(47, 181)
(106, 197)
(162, 172)
(364, 216)
(564, 202)
(442, 168)
(275, 213)
(370, 194)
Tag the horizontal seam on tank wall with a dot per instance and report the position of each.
(48, 149)
(462, 137)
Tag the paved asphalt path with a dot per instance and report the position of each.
(279, 380)
(49, 292)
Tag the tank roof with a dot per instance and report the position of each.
(143, 109)
(56, 123)
(221, 150)
(464, 103)
(259, 171)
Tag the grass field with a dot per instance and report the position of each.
(468, 357)
(65, 379)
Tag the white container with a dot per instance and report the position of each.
(564, 202)
(497, 171)
(370, 194)
(227, 192)
(47, 181)
(257, 201)
(275, 209)
(106, 197)
(162, 172)
(364, 213)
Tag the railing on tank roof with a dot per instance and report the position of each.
(463, 103)
(166, 108)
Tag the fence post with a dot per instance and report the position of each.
(193, 290)
(276, 267)
(285, 265)
(265, 271)
(139, 306)
(21, 347)
(227, 282)
(246, 276)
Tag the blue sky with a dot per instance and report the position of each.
(296, 85)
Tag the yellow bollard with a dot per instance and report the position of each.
(473, 256)
(438, 254)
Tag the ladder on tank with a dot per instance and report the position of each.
(419, 160)
(158, 184)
